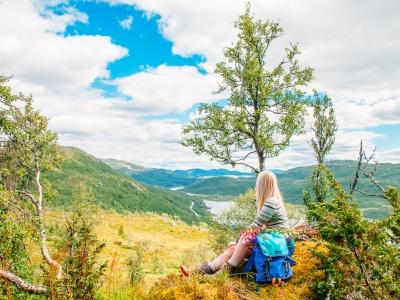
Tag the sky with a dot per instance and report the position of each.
(119, 78)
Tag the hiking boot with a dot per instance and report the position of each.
(205, 269)
(231, 270)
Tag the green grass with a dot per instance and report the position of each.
(114, 191)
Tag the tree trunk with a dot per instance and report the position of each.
(22, 284)
(43, 238)
(318, 184)
(45, 251)
(261, 162)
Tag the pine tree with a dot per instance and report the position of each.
(80, 248)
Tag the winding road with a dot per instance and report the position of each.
(191, 208)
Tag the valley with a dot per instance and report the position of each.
(217, 187)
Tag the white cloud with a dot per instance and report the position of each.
(346, 147)
(59, 69)
(57, 23)
(33, 52)
(168, 89)
(195, 27)
(391, 155)
(362, 115)
(352, 45)
(126, 23)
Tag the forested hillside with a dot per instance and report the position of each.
(116, 191)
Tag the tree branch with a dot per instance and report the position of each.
(30, 196)
(246, 156)
(371, 175)
(364, 192)
(247, 165)
(354, 183)
(375, 182)
(363, 272)
(24, 212)
(22, 284)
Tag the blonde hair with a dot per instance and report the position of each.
(266, 187)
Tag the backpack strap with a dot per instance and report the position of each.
(276, 282)
(250, 265)
(291, 261)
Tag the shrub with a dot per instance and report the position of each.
(14, 257)
(363, 261)
(121, 231)
(135, 263)
(156, 264)
(79, 249)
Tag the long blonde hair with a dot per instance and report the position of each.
(266, 187)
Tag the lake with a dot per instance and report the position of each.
(218, 207)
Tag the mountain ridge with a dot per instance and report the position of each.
(115, 191)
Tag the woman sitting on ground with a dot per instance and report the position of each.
(271, 213)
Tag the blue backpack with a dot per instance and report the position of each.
(271, 259)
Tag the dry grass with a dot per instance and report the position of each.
(167, 243)
(222, 287)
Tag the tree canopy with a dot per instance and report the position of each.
(265, 107)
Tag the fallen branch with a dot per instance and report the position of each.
(22, 284)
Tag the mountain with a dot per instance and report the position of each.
(116, 191)
(170, 178)
(123, 166)
(159, 177)
(292, 183)
(175, 178)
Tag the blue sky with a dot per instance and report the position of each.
(119, 78)
(147, 47)
(390, 136)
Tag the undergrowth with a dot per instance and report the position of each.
(221, 286)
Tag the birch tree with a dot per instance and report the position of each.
(27, 149)
(265, 106)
